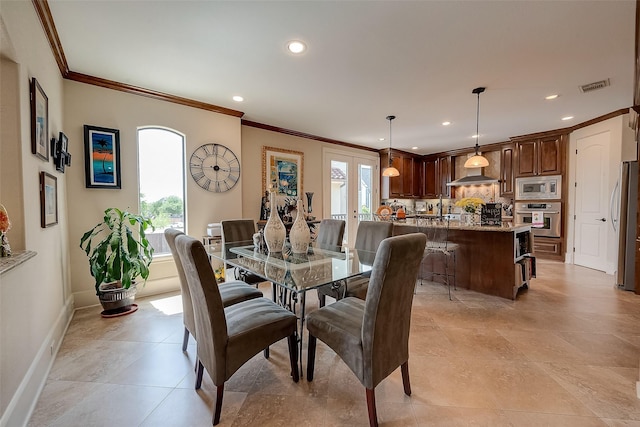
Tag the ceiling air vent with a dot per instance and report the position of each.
(595, 86)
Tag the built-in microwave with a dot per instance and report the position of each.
(539, 188)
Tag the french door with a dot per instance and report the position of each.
(350, 189)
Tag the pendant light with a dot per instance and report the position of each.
(477, 161)
(390, 170)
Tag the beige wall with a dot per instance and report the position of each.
(35, 302)
(253, 139)
(92, 105)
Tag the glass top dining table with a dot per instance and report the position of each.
(292, 274)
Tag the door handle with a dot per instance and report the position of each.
(602, 219)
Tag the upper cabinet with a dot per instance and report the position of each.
(411, 180)
(540, 156)
(507, 171)
(431, 178)
(445, 174)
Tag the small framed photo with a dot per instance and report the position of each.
(59, 152)
(282, 171)
(101, 157)
(39, 121)
(48, 200)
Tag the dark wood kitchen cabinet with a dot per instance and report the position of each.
(507, 171)
(540, 156)
(445, 175)
(431, 178)
(409, 184)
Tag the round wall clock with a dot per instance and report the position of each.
(214, 167)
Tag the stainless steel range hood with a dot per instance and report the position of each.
(474, 177)
(472, 180)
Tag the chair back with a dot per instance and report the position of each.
(371, 233)
(238, 231)
(208, 310)
(330, 234)
(387, 313)
(437, 231)
(170, 234)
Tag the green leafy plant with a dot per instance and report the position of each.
(118, 248)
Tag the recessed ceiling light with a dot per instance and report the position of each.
(476, 136)
(567, 118)
(550, 97)
(296, 46)
(238, 98)
(414, 148)
(380, 139)
(446, 123)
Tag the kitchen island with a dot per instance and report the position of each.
(494, 260)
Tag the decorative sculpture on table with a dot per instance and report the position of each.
(274, 231)
(5, 225)
(300, 236)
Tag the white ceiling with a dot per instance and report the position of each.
(368, 59)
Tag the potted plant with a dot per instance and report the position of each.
(118, 252)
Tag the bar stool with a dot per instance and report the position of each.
(439, 247)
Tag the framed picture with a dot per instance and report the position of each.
(59, 152)
(101, 157)
(39, 121)
(282, 171)
(48, 200)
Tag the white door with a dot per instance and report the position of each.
(592, 201)
(352, 185)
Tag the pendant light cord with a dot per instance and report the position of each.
(477, 123)
(390, 118)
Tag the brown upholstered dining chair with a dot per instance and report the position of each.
(231, 292)
(372, 336)
(229, 337)
(239, 232)
(330, 234)
(368, 238)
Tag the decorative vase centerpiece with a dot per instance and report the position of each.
(470, 206)
(5, 225)
(274, 231)
(309, 199)
(300, 236)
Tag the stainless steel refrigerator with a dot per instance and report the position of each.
(625, 223)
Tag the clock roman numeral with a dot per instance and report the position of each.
(197, 176)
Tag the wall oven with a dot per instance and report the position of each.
(544, 217)
(539, 188)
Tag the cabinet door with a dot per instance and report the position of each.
(444, 176)
(506, 171)
(395, 182)
(526, 162)
(418, 177)
(407, 176)
(550, 156)
(430, 178)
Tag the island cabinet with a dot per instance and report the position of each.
(507, 171)
(494, 260)
(540, 156)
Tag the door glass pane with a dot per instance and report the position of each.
(365, 189)
(339, 191)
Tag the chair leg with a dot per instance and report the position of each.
(266, 353)
(219, 395)
(293, 356)
(311, 357)
(371, 407)
(404, 368)
(185, 339)
(199, 373)
(322, 300)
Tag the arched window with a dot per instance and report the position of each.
(161, 177)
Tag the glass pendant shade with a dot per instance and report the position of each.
(390, 171)
(477, 161)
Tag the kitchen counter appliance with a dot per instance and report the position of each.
(539, 188)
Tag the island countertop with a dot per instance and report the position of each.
(508, 227)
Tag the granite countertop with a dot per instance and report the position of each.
(508, 227)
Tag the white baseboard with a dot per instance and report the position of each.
(26, 396)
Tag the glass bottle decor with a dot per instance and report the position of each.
(300, 236)
(274, 231)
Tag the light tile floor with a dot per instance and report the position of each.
(565, 353)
